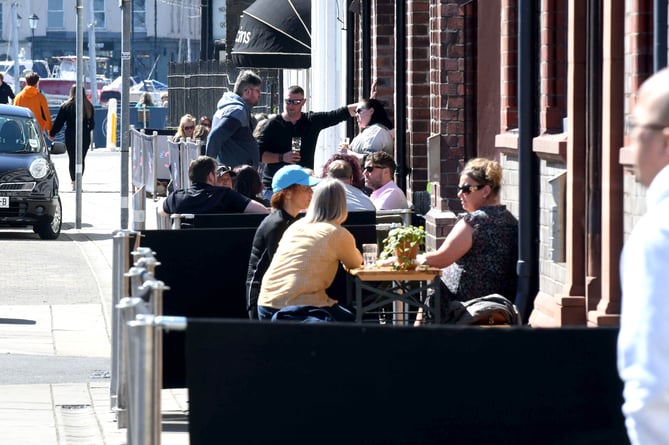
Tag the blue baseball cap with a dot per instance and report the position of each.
(290, 175)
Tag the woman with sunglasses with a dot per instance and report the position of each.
(186, 128)
(375, 134)
(480, 253)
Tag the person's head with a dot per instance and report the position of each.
(357, 180)
(247, 86)
(224, 175)
(204, 120)
(480, 183)
(186, 126)
(32, 78)
(247, 181)
(146, 99)
(328, 203)
(88, 106)
(201, 132)
(379, 169)
(202, 170)
(649, 126)
(294, 101)
(292, 188)
(370, 112)
(340, 169)
(163, 98)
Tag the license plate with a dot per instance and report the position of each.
(4, 202)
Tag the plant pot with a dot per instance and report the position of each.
(406, 254)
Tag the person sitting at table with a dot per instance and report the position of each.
(294, 190)
(357, 180)
(480, 253)
(247, 182)
(308, 256)
(204, 196)
(356, 200)
(379, 173)
(186, 128)
(224, 175)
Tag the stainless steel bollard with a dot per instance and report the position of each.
(120, 264)
(144, 383)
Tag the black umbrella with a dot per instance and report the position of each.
(274, 34)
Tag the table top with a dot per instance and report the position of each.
(387, 273)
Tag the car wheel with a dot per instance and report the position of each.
(51, 229)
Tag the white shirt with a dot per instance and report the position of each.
(389, 197)
(643, 341)
(356, 200)
(376, 137)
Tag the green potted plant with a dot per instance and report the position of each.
(403, 243)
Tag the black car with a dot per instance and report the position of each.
(28, 179)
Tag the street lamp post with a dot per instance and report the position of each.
(33, 20)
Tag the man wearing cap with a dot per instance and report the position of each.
(203, 196)
(379, 172)
(356, 200)
(274, 139)
(231, 140)
(292, 194)
(224, 175)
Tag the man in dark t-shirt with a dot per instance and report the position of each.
(274, 138)
(203, 196)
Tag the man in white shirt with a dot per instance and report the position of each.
(379, 172)
(643, 341)
(356, 200)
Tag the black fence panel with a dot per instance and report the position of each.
(195, 88)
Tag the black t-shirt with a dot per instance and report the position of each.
(205, 198)
(275, 137)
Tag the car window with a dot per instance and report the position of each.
(18, 135)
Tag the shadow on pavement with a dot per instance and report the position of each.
(16, 321)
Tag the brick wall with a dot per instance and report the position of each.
(509, 68)
(553, 66)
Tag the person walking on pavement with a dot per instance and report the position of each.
(67, 115)
(31, 98)
(6, 92)
(274, 140)
(231, 140)
(643, 351)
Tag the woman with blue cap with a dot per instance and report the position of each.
(292, 193)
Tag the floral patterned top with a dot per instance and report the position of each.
(490, 265)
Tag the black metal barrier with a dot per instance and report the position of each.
(259, 383)
(205, 270)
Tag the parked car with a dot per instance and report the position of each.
(28, 179)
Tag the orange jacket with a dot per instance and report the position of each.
(31, 98)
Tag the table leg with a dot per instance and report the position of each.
(358, 300)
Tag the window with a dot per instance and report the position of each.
(56, 14)
(99, 14)
(139, 15)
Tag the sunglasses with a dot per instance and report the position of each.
(294, 101)
(468, 188)
(370, 168)
(360, 110)
(189, 128)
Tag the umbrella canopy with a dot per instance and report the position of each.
(274, 34)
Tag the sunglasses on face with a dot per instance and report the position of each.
(466, 189)
(370, 168)
(294, 101)
(360, 110)
(189, 128)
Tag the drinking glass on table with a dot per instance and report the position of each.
(369, 255)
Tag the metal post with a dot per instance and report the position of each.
(144, 384)
(80, 111)
(121, 263)
(15, 46)
(92, 55)
(126, 6)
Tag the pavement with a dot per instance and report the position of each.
(55, 322)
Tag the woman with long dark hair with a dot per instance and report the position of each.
(375, 126)
(67, 115)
